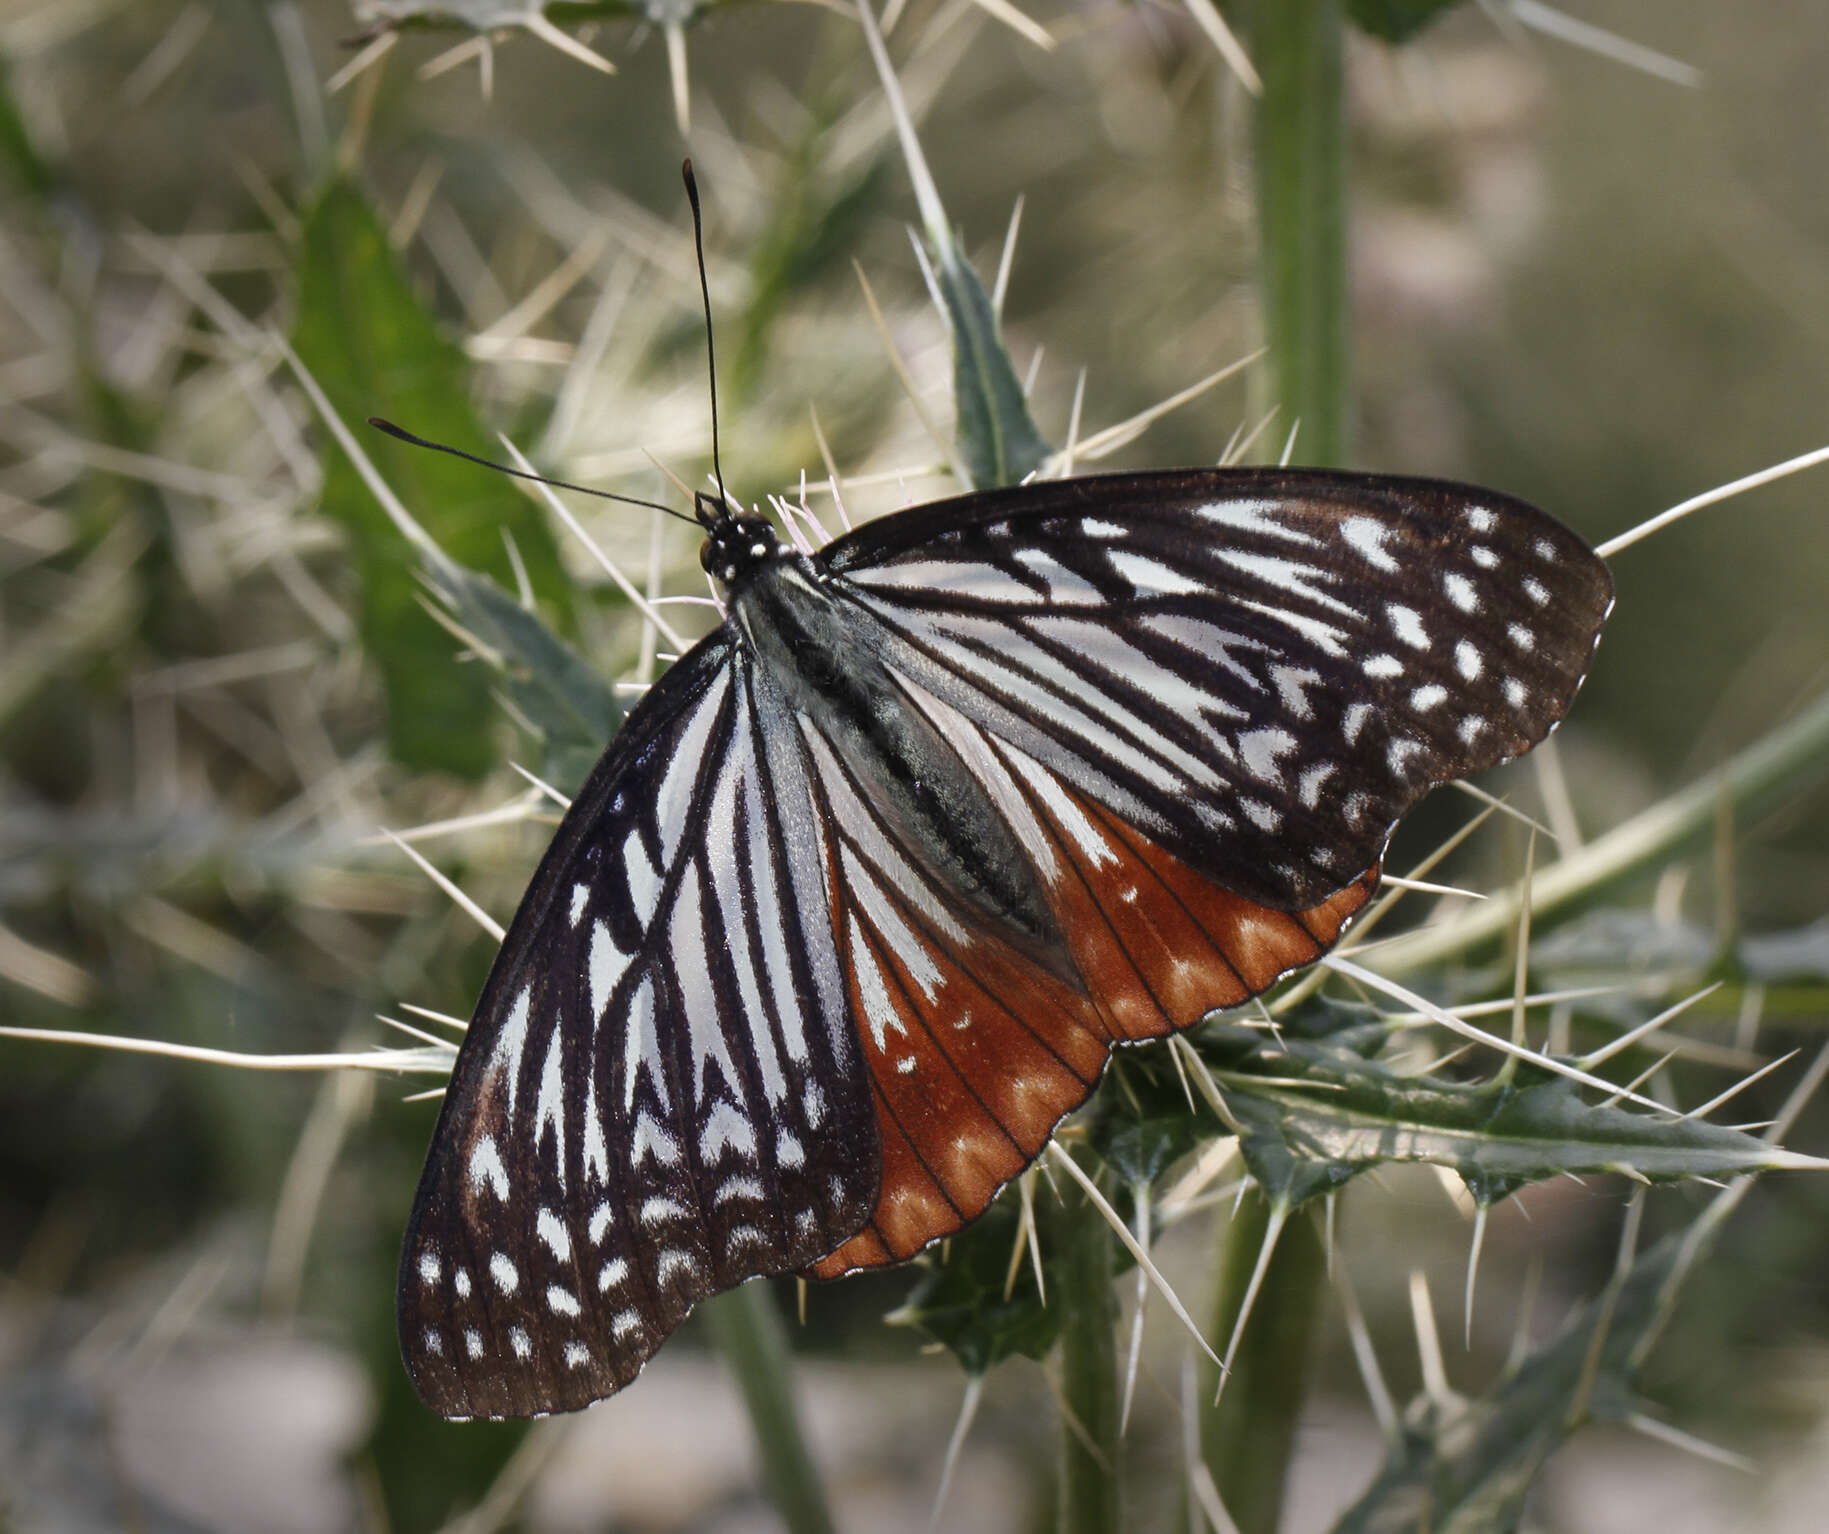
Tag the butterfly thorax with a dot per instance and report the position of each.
(736, 547)
(814, 649)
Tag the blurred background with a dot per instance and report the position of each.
(1599, 284)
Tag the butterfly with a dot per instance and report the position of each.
(857, 904)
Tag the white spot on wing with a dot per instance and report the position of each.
(1515, 693)
(577, 1355)
(658, 1211)
(1426, 698)
(1150, 577)
(1262, 750)
(1460, 591)
(651, 1139)
(726, 1130)
(1522, 637)
(473, 1342)
(1289, 682)
(672, 1265)
(788, 1152)
(460, 1281)
(641, 876)
(1353, 720)
(486, 1167)
(1312, 780)
(1062, 585)
(612, 1275)
(1367, 536)
(502, 1269)
(1382, 666)
(607, 965)
(1253, 517)
(1483, 557)
(1536, 590)
(1480, 519)
(561, 1301)
(1260, 814)
(601, 1218)
(553, 1232)
(1398, 754)
(429, 1268)
(1286, 575)
(1467, 659)
(1408, 625)
(518, 1340)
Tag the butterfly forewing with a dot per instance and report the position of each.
(1261, 669)
(661, 1093)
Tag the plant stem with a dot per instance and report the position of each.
(1247, 1438)
(749, 1334)
(1301, 204)
(1080, 1282)
(1301, 209)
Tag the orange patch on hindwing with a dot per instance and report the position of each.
(978, 1052)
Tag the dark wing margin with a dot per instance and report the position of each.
(1261, 670)
(661, 1093)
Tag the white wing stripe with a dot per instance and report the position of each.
(549, 1107)
(673, 799)
(894, 931)
(692, 973)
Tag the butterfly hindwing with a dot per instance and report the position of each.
(977, 1050)
(661, 1093)
(1260, 669)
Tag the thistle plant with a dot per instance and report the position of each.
(299, 634)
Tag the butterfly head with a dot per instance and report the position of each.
(735, 546)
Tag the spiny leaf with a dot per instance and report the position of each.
(997, 439)
(571, 705)
(373, 347)
(1464, 1467)
(960, 1300)
(1313, 1117)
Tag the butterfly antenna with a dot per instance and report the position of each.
(711, 356)
(501, 468)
